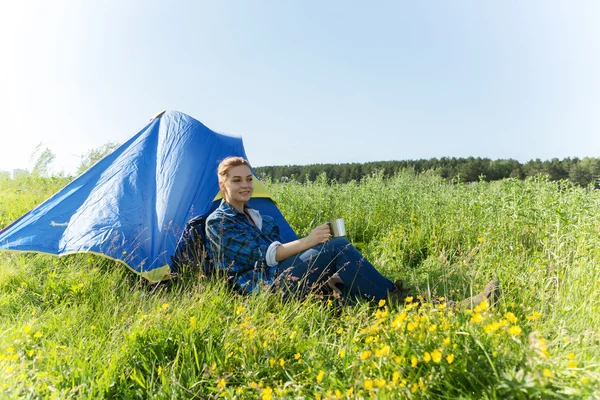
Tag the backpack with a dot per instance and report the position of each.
(191, 248)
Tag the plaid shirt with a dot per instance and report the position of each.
(238, 247)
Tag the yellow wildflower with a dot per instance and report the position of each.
(349, 392)
(572, 364)
(408, 299)
(413, 361)
(164, 306)
(380, 383)
(381, 303)
(446, 341)
(436, 356)
(585, 380)
(395, 376)
(37, 335)
(414, 387)
(297, 356)
(511, 317)
(365, 354)
(476, 318)
(221, 384)
(383, 351)
(450, 358)
(267, 393)
(340, 331)
(548, 373)
(571, 356)
(427, 357)
(342, 352)
(368, 385)
(514, 330)
(193, 322)
(27, 329)
(320, 376)
(281, 362)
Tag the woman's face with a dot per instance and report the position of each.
(237, 187)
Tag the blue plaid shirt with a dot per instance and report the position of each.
(238, 247)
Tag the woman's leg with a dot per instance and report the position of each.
(311, 269)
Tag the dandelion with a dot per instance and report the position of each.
(381, 303)
(281, 362)
(446, 341)
(436, 356)
(450, 358)
(267, 393)
(480, 239)
(164, 306)
(221, 384)
(37, 335)
(380, 383)
(514, 330)
(383, 351)
(365, 354)
(548, 373)
(572, 364)
(368, 384)
(427, 357)
(534, 315)
(476, 318)
(272, 361)
(320, 376)
(349, 392)
(27, 329)
(297, 356)
(414, 387)
(408, 299)
(395, 376)
(571, 356)
(413, 361)
(511, 317)
(433, 328)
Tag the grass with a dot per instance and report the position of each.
(83, 327)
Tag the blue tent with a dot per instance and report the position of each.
(133, 204)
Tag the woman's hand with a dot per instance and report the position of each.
(320, 234)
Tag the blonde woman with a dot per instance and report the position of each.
(248, 247)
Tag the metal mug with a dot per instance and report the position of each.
(337, 227)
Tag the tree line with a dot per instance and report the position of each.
(583, 172)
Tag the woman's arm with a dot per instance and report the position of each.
(319, 235)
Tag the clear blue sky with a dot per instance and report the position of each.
(306, 81)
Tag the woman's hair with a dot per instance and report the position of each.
(228, 163)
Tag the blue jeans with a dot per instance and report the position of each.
(310, 270)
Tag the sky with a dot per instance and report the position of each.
(305, 81)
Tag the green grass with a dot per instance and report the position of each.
(83, 327)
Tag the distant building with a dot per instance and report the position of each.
(19, 172)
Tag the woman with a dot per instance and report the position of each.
(247, 246)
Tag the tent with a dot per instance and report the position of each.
(132, 205)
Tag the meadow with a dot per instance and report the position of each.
(82, 326)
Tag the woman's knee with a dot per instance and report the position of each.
(337, 244)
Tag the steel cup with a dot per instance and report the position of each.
(337, 227)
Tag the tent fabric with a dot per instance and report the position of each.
(133, 204)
